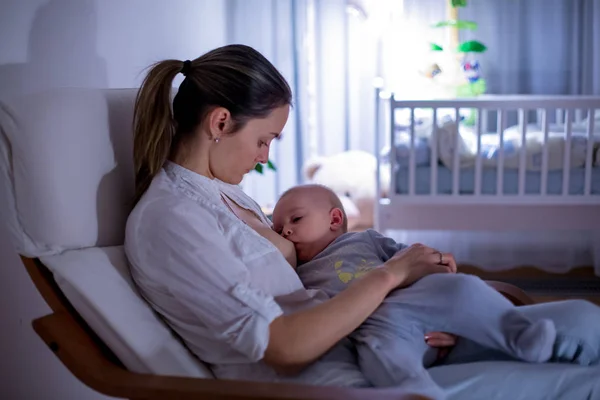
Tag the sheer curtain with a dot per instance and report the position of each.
(326, 52)
(538, 46)
(275, 28)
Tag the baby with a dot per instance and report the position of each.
(390, 343)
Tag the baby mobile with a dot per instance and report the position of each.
(457, 70)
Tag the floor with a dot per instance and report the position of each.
(579, 283)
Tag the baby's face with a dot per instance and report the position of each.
(302, 221)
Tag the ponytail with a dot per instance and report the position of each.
(153, 124)
(235, 77)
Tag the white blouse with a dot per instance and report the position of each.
(217, 282)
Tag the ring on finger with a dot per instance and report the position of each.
(441, 258)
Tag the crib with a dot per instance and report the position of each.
(493, 163)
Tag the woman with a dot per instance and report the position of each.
(203, 254)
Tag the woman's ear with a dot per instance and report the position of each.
(219, 122)
(336, 217)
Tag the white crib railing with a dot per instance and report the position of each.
(565, 111)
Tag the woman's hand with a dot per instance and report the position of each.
(442, 341)
(414, 262)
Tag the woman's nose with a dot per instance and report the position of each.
(263, 156)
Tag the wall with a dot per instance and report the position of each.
(86, 43)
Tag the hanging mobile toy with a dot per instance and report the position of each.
(471, 69)
(472, 82)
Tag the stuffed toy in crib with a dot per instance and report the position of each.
(352, 176)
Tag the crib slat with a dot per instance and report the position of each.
(455, 161)
(559, 116)
(478, 160)
(411, 155)
(544, 183)
(378, 124)
(578, 116)
(392, 160)
(567, 155)
(484, 120)
(589, 153)
(522, 150)
(434, 154)
(500, 166)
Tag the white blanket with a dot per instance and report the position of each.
(534, 145)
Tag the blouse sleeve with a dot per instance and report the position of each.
(203, 274)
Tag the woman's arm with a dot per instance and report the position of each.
(298, 339)
(216, 287)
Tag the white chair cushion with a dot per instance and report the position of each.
(66, 168)
(66, 185)
(98, 284)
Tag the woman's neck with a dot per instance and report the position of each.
(195, 161)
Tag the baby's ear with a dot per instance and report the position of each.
(336, 217)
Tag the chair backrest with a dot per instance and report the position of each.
(67, 168)
(66, 179)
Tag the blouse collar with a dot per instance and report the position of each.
(200, 181)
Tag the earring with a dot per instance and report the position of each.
(216, 140)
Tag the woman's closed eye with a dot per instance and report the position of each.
(262, 143)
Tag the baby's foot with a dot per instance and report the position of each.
(536, 342)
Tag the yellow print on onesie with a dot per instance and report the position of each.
(361, 269)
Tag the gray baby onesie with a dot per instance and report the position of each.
(390, 343)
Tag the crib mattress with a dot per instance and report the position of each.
(533, 181)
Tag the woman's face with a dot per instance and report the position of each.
(233, 156)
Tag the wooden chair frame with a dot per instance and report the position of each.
(87, 357)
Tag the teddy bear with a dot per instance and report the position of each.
(352, 176)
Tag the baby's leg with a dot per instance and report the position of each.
(397, 361)
(466, 306)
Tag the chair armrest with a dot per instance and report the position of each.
(516, 295)
(84, 358)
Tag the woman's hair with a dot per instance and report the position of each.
(235, 77)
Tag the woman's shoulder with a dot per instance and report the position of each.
(169, 205)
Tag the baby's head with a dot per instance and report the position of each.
(311, 216)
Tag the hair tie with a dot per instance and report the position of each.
(187, 67)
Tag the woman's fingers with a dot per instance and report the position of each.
(427, 249)
(436, 258)
(440, 339)
(439, 258)
(449, 261)
(430, 256)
